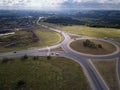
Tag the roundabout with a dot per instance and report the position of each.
(82, 50)
(93, 47)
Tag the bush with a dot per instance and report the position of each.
(35, 58)
(49, 57)
(20, 84)
(25, 57)
(91, 44)
(5, 60)
(100, 46)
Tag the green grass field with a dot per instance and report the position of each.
(108, 71)
(48, 37)
(107, 47)
(89, 31)
(25, 40)
(40, 73)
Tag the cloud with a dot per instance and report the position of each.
(33, 3)
(92, 4)
(45, 4)
(99, 1)
(13, 2)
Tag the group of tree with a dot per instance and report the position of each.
(6, 60)
(66, 21)
(90, 44)
(99, 19)
(20, 84)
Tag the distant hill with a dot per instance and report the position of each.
(23, 13)
(108, 19)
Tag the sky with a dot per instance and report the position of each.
(60, 4)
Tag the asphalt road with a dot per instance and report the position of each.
(119, 70)
(96, 81)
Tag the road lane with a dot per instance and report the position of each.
(94, 78)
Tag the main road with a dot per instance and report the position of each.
(96, 81)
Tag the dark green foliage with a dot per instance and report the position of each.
(100, 46)
(49, 57)
(35, 58)
(91, 44)
(20, 84)
(25, 57)
(101, 19)
(5, 60)
(66, 21)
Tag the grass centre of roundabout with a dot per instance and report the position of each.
(94, 47)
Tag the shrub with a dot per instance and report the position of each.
(25, 57)
(91, 44)
(35, 58)
(49, 57)
(20, 84)
(100, 46)
(4, 60)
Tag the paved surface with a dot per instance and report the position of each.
(119, 69)
(96, 82)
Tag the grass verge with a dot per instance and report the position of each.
(41, 73)
(108, 71)
(117, 41)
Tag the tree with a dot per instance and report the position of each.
(49, 57)
(100, 46)
(91, 44)
(20, 84)
(25, 57)
(5, 60)
(35, 58)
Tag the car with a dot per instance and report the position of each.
(74, 38)
(52, 53)
(14, 52)
(57, 54)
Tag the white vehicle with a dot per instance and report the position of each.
(57, 54)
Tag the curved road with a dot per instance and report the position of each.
(96, 81)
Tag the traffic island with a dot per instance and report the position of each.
(93, 47)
